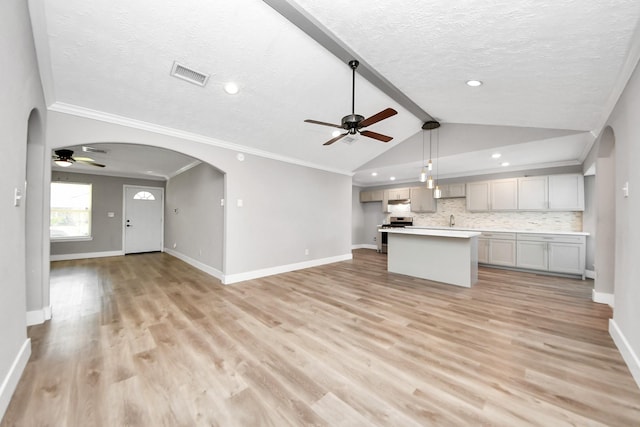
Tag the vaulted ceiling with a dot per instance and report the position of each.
(552, 71)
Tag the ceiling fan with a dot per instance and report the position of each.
(64, 158)
(353, 122)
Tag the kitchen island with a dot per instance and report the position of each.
(447, 256)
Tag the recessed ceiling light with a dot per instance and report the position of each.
(335, 133)
(374, 173)
(393, 178)
(504, 164)
(474, 83)
(496, 155)
(231, 88)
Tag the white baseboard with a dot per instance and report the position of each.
(630, 357)
(197, 264)
(365, 246)
(590, 274)
(255, 274)
(38, 317)
(85, 255)
(10, 382)
(602, 298)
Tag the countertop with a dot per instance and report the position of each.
(500, 230)
(441, 232)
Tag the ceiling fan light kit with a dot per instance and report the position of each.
(64, 158)
(353, 123)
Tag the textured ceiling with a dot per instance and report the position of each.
(549, 68)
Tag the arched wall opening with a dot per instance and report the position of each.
(605, 218)
(194, 218)
(36, 211)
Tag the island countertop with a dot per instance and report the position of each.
(460, 234)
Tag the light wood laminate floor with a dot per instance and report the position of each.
(146, 340)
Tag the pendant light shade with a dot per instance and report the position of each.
(437, 193)
(430, 182)
(423, 175)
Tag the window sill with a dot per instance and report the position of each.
(71, 239)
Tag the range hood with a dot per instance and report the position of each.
(399, 202)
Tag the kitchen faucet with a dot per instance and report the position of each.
(452, 221)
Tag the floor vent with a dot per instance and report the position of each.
(192, 76)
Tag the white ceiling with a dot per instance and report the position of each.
(551, 73)
(131, 160)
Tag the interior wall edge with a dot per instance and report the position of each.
(10, 382)
(629, 356)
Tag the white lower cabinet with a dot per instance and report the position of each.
(552, 252)
(498, 249)
(483, 250)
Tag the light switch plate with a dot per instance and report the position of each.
(17, 197)
(625, 189)
(240, 203)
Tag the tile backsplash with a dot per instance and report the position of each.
(547, 221)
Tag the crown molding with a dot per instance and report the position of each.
(75, 110)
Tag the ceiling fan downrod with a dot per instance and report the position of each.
(353, 64)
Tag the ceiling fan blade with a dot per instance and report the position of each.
(331, 141)
(384, 114)
(92, 163)
(323, 123)
(375, 135)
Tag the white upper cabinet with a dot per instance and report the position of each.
(397, 194)
(499, 195)
(566, 192)
(553, 192)
(533, 193)
(422, 200)
(478, 196)
(504, 195)
(451, 191)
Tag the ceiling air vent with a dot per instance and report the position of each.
(192, 76)
(88, 149)
(349, 140)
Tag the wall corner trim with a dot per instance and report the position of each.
(590, 274)
(197, 264)
(38, 317)
(10, 382)
(628, 354)
(602, 298)
(256, 274)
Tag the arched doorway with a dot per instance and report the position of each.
(36, 243)
(605, 219)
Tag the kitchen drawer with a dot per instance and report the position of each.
(551, 238)
(499, 235)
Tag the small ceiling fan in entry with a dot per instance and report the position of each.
(64, 158)
(353, 123)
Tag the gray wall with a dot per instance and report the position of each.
(589, 220)
(357, 218)
(20, 94)
(624, 122)
(286, 208)
(107, 197)
(194, 218)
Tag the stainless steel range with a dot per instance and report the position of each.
(394, 222)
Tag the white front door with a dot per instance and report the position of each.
(143, 219)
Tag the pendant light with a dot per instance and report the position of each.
(437, 193)
(430, 165)
(423, 172)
